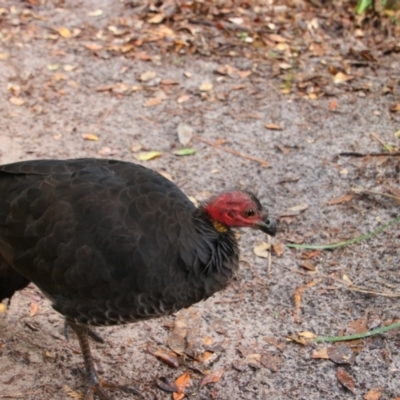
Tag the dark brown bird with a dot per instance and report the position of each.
(111, 242)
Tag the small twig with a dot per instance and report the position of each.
(355, 288)
(377, 331)
(376, 137)
(240, 298)
(16, 395)
(102, 118)
(355, 154)
(361, 190)
(264, 163)
(342, 244)
(350, 286)
(269, 256)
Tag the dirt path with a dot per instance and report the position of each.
(59, 85)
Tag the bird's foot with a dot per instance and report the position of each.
(97, 388)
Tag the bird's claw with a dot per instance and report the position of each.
(98, 390)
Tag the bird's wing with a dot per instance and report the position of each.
(91, 228)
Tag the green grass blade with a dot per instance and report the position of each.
(342, 244)
(363, 5)
(377, 331)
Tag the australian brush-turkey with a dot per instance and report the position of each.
(111, 242)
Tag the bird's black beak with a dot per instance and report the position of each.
(267, 225)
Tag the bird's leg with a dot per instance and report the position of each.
(93, 334)
(94, 386)
(93, 382)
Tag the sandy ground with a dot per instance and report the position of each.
(38, 363)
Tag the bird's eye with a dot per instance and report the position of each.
(250, 213)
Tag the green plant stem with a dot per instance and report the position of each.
(377, 331)
(342, 244)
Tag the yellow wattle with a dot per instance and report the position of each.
(219, 227)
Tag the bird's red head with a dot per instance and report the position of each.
(239, 209)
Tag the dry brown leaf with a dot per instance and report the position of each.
(136, 147)
(72, 393)
(90, 136)
(285, 66)
(253, 360)
(206, 87)
(143, 56)
(208, 341)
(277, 38)
(212, 377)
(105, 88)
(269, 361)
(278, 249)
(395, 107)
(225, 69)
(127, 47)
(299, 208)
(299, 340)
(307, 335)
(178, 396)
(299, 291)
(182, 383)
(333, 105)
(153, 101)
(166, 384)
(345, 379)
(185, 133)
(236, 20)
(373, 394)
(322, 353)
(4, 56)
(177, 338)
(121, 88)
(206, 356)
(282, 47)
(93, 46)
(148, 76)
(183, 98)
(169, 82)
(238, 87)
(156, 18)
(340, 77)
(52, 67)
(262, 250)
(105, 151)
(167, 357)
(341, 354)
(33, 309)
(307, 255)
(147, 155)
(308, 265)
(346, 279)
(16, 101)
(342, 199)
(243, 74)
(64, 32)
(358, 326)
(95, 13)
(274, 342)
(164, 31)
(273, 127)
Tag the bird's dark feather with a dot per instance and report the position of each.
(109, 242)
